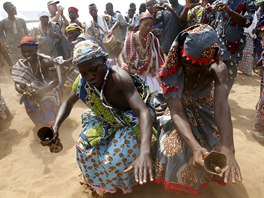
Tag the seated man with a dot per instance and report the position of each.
(117, 126)
(35, 78)
(195, 85)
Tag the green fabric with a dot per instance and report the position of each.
(258, 2)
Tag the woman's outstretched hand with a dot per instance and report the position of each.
(232, 173)
(142, 168)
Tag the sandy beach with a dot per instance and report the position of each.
(28, 169)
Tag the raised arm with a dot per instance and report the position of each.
(224, 122)
(143, 164)
(187, 7)
(244, 21)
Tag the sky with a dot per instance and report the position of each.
(82, 5)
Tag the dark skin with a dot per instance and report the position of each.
(239, 19)
(121, 93)
(72, 35)
(4, 53)
(30, 54)
(109, 9)
(153, 9)
(11, 11)
(208, 73)
(93, 12)
(145, 27)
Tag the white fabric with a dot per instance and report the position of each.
(102, 23)
(152, 82)
(252, 26)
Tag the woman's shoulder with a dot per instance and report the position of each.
(220, 71)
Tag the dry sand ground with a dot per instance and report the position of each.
(30, 170)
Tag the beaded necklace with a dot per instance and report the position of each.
(38, 68)
(102, 88)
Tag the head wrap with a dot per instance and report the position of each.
(26, 40)
(87, 50)
(73, 26)
(145, 15)
(199, 44)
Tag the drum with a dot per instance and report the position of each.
(112, 44)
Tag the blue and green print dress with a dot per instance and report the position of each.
(109, 142)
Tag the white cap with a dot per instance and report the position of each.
(43, 13)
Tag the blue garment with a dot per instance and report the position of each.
(231, 35)
(171, 27)
(110, 140)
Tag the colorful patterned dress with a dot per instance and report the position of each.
(174, 166)
(109, 142)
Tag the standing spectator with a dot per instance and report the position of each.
(171, 22)
(230, 20)
(56, 14)
(130, 15)
(133, 6)
(98, 26)
(157, 28)
(247, 63)
(73, 15)
(135, 22)
(50, 38)
(196, 12)
(117, 22)
(12, 29)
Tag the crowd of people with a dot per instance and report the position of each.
(155, 82)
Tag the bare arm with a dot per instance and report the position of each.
(183, 126)
(143, 164)
(60, 14)
(224, 122)
(64, 112)
(236, 17)
(187, 7)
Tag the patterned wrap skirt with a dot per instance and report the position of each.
(173, 166)
(102, 160)
(247, 62)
